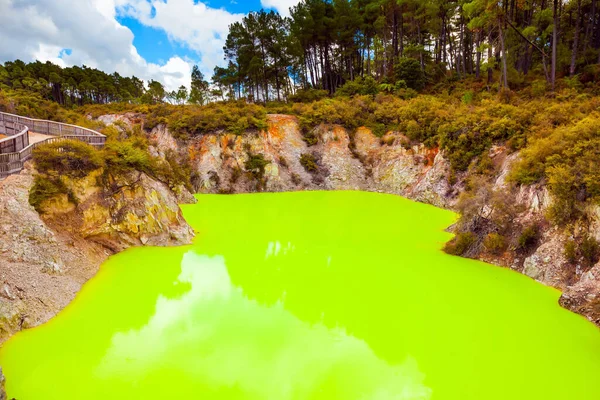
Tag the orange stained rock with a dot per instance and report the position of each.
(431, 154)
(341, 135)
(365, 136)
(277, 125)
(193, 152)
(206, 142)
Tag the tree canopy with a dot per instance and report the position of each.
(391, 44)
(326, 43)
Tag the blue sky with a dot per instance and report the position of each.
(151, 39)
(236, 6)
(154, 45)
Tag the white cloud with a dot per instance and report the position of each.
(195, 25)
(282, 6)
(42, 29)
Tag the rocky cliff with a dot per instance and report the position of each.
(337, 160)
(283, 158)
(45, 259)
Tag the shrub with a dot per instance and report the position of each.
(236, 173)
(539, 88)
(468, 97)
(310, 138)
(409, 70)
(180, 170)
(236, 117)
(567, 158)
(45, 188)
(256, 164)
(296, 180)
(528, 237)
(122, 157)
(570, 251)
(359, 86)
(308, 95)
(495, 243)
(460, 244)
(67, 157)
(590, 250)
(309, 162)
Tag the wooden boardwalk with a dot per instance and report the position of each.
(38, 137)
(20, 135)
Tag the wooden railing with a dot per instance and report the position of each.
(15, 149)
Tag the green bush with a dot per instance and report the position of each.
(236, 117)
(529, 237)
(180, 170)
(567, 158)
(123, 157)
(409, 70)
(310, 138)
(360, 86)
(45, 188)
(590, 250)
(468, 97)
(570, 251)
(309, 162)
(495, 243)
(67, 157)
(256, 164)
(308, 95)
(460, 244)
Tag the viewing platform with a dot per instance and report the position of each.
(20, 135)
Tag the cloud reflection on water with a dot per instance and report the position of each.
(217, 338)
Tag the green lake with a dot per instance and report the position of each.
(315, 295)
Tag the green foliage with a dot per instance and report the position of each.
(360, 86)
(310, 162)
(69, 86)
(308, 95)
(460, 244)
(566, 158)
(234, 117)
(495, 243)
(310, 138)
(155, 94)
(124, 156)
(590, 250)
(67, 157)
(529, 237)
(179, 170)
(199, 87)
(468, 97)
(45, 188)
(409, 70)
(256, 164)
(570, 251)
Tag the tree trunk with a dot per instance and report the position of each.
(576, 40)
(478, 62)
(554, 45)
(504, 56)
(589, 27)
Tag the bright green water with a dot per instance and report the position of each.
(308, 296)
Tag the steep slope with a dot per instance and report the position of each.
(279, 158)
(47, 258)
